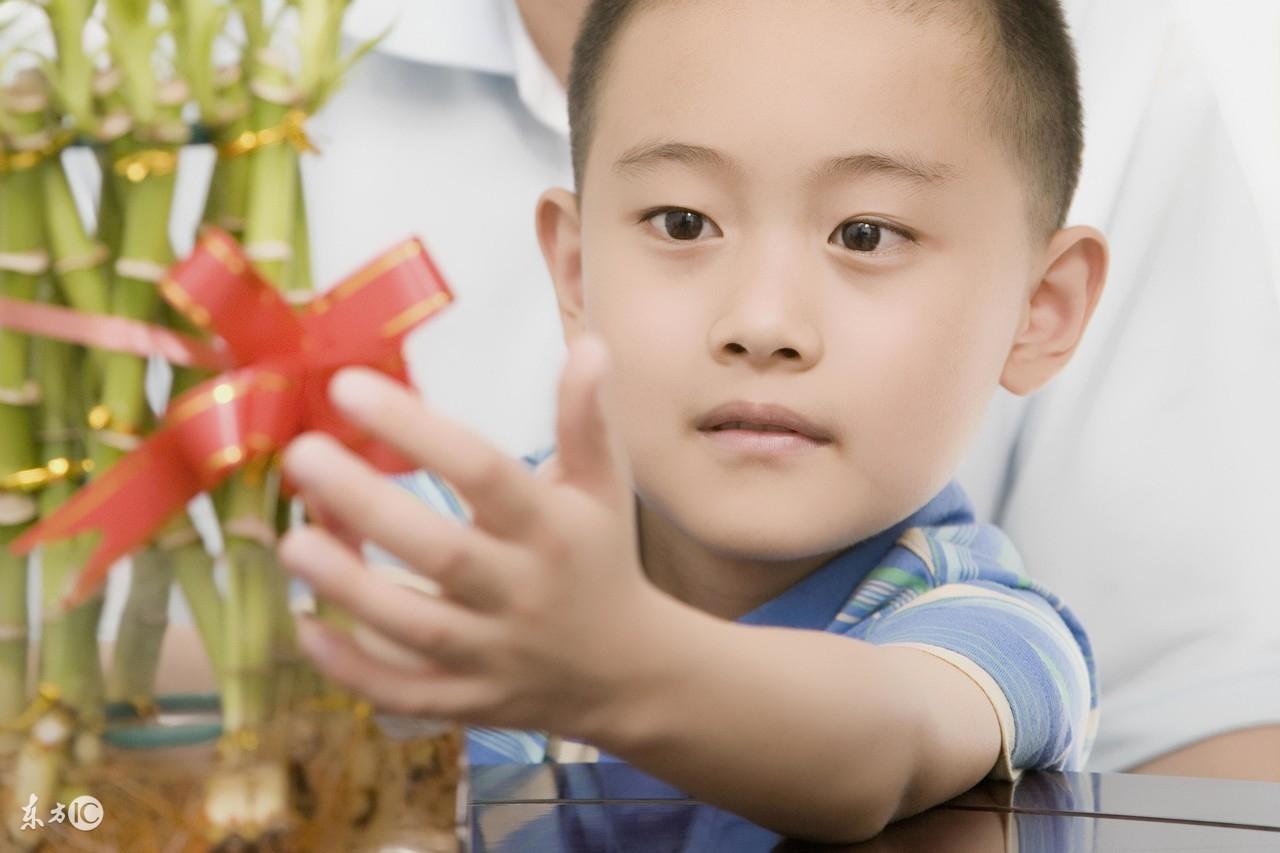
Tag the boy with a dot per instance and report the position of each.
(809, 238)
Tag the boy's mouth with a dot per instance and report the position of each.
(743, 416)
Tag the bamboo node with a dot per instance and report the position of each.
(33, 262)
(95, 257)
(265, 251)
(253, 529)
(27, 395)
(16, 508)
(141, 270)
(126, 441)
(179, 538)
(22, 161)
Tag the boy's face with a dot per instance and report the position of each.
(812, 270)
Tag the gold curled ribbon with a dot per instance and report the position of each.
(140, 165)
(238, 742)
(54, 471)
(101, 419)
(48, 697)
(328, 702)
(291, 130)
(21, 161)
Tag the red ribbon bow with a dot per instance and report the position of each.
(277, 391)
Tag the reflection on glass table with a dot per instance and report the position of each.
(606, 808)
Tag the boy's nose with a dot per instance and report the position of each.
(765, 324)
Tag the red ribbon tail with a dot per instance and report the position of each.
(151, 482)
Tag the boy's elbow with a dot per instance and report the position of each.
(857, 816)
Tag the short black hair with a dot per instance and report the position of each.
(1033, 100)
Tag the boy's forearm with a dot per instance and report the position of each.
(812, 735)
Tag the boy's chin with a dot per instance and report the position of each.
(767, 536)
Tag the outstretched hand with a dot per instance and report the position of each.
(542, 599)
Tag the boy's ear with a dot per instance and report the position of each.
(560, 235)
(1058, 308)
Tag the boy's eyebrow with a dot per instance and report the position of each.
(902, 166)
(639, 157)
(906, 167)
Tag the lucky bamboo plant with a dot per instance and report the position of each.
(163, 64)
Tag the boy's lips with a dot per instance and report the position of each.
(762, 419)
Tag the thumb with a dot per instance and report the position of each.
(590, 455)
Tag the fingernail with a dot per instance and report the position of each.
(353, 389)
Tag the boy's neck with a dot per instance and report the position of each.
(722, 586)
(552, 26)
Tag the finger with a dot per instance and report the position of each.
(590, 456)
(467, 563)
(425, 624)
(330, 522)
(391, 688)
(499, 488)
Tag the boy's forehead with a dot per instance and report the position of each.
(785, 80)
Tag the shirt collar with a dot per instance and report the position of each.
(477, 35)
(814, 601)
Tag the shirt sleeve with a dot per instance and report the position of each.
(1023, 648)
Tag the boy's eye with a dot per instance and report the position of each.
(681, 224)
(859, 235)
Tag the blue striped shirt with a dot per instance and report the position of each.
(937, 581)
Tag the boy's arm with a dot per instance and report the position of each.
(545, 620)
(813, 735)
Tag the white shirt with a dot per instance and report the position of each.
(1142, 483)
(1138, 486)
(451, 130)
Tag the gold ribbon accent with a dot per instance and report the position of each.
(48, 697)
(328, 702)
(291, 130)
(54, 471)
(238, 742)
(149, 162)
(21, 161)
(102, 419)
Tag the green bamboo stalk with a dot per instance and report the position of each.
(69, 670)
(71, 75)
(113, 144)
(193, 568)
(14, 695)
(40, 767)
(22, 242)
(273, 172)
(252, 589)
(229, 188)
(145, 253)
(193, 564)
(69, 648)
(145, 240)
(142, 625)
